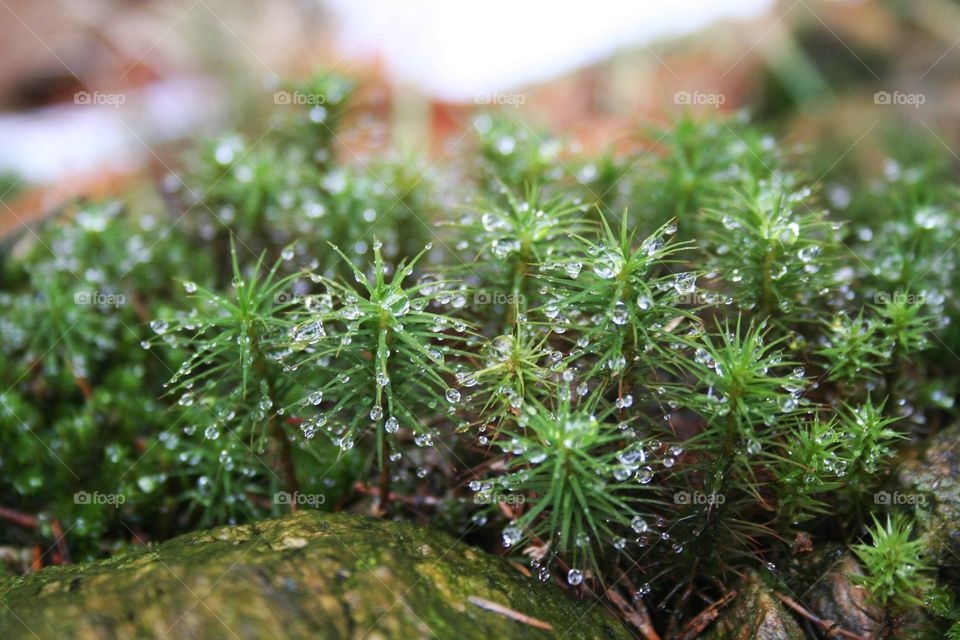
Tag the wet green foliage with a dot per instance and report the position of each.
(896, 573)
(663, 365)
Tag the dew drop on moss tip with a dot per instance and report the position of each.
(650, 246)
(453, 396)
(620, 315)
(423, 440)
(606, 265)
(511, 535)
(685, 283)
(392, 425)
(574, 577)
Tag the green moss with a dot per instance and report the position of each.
(346, 575)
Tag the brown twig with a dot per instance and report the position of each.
(520, 568)
(61, 541)
(32, 522)
(140, 308)
(510, 613)
(828, 626)
(695, 627)
(413, 501)
(84, 385)
(17, 517)
(636, 615)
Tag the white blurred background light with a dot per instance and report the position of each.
(458, 49)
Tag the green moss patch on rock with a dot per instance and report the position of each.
(307, 575)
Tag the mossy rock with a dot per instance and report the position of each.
(931, 484)
(307, 575)
(820, 580)
(755, 614)
(830, 593)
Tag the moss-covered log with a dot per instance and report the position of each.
(308, 575)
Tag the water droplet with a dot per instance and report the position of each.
(619, 315)
(807, 254)
(790, 233)
(511, 535)
(147, 483)
(651, 245)
(423, 440)
(639, 525)
(308, 332)
(607, 265)
(685, 283)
